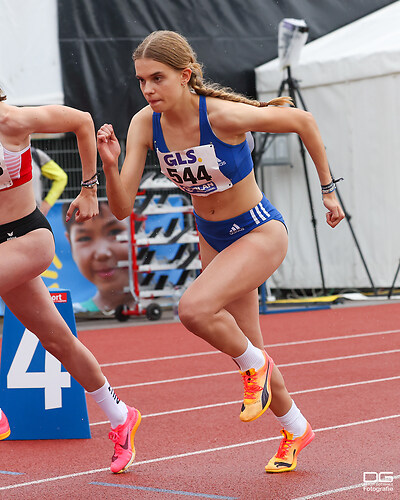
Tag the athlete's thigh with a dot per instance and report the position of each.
(241, 267)
(24, 258)
(245, 309)
(33, 305)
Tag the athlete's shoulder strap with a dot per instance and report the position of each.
(158, 136)
(206, 132)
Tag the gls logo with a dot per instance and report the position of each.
(174, 159)
(377, 477)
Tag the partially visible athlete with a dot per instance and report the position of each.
(27, 249)
(199, 131)
(44, 166)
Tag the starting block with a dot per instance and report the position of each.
(39, 397)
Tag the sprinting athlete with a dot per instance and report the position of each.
(27, 249)
(198, 131)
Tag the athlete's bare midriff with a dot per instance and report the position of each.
(238, 199)
(16, 203)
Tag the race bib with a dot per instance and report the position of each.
(5, 179)
(195, 171)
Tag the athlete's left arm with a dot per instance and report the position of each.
(57, 119)
(274, 119)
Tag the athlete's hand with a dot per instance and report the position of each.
(85, 204)
(335, 212)
(108, 146)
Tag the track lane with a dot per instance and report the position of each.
(223, 470)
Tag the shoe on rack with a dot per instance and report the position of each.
(257, 390)
(123, 437)
(286, 456)
(4, 426)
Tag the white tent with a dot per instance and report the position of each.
(30, 68)
(350, 81)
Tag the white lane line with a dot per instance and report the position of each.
(268, 346)
(284, 365)
(193, 453)
(304, 391)
(344, 488)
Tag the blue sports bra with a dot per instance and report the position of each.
(214, 166)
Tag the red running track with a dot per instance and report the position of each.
(340, 365)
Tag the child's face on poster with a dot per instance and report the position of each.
(97, 251)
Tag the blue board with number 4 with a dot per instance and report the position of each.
(39, 397)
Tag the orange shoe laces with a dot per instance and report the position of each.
(251, 388)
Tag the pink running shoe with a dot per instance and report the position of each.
(4, 426)
(123, 437)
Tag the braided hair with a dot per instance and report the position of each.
(171, 48)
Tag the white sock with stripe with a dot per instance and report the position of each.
(294, 422)
(251, 358)
(109, 402)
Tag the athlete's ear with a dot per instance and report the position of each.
(185, 77)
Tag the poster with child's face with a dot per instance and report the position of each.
(92, 257)
(88, 259)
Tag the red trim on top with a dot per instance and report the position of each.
(25, 172)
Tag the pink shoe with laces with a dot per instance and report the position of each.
(123, 437)
(4, 427)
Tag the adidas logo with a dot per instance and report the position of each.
(221, 163)
(10, 236)
(235, 229)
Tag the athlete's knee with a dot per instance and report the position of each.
(193, 313)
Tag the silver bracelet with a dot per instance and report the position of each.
(329, 188)
(90, 183)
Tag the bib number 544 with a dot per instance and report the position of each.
(188, 175)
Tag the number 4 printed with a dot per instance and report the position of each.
(52, 379)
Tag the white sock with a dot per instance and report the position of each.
(251, 358)
(109, 402)
(293, 421)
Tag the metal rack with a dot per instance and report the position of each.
(163, 253)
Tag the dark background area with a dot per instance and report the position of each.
(230, 37)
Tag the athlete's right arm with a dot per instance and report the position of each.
(122, 187)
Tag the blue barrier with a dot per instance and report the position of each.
(263, 308)
(39, 397)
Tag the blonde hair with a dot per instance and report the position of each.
(172, 49)
(3, 97)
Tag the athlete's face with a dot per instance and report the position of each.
(160, 84)
(96, 250)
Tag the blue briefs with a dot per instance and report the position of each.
(220, 234)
